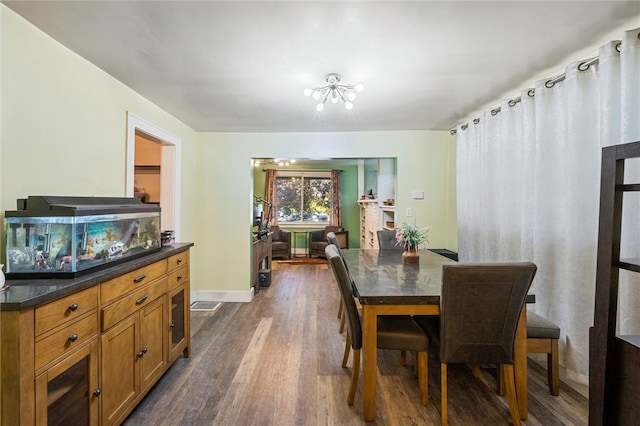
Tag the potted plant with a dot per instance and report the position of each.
(410, 237)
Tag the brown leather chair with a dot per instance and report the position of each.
(318, 240)
(280, 243)
(395, 332)
(480, 307)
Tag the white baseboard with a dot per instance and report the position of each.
(222, 296)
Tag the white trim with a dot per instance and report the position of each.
(222, 296)
(173, 145)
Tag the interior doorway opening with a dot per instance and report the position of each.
(153, 169)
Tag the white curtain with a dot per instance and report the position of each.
(529, 187)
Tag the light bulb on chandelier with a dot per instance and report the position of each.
(334, 91)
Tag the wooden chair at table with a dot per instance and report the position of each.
(333, 239)
(542, 337)
(395, 332)
(480, 306)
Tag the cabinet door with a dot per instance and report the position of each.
(152, 350)
(178, 322)
(120, 383)
(68, 393)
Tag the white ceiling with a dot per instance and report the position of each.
(242, 66)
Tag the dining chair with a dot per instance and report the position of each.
(395, 332)
(387, 240)
(333, 239)
(480, 305)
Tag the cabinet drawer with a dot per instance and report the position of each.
(112, 289)
(64, 310)
(178, 277)
(121, 309)
(65, 340)
(178, 260)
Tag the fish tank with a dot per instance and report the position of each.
(64, 237)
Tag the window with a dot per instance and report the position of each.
(303, 197)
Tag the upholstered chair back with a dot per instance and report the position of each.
(480, 307)
(387, 240)
(344, 283)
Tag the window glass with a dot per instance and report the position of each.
(303, 198)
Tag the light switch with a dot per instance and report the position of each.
(418, 195)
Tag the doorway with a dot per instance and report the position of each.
(153, 162)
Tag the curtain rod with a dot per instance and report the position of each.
(583, 66)
(303, 170)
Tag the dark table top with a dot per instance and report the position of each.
(381, 278)
(23, 294)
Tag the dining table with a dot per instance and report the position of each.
(386, 286)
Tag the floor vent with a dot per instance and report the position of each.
(205, 306)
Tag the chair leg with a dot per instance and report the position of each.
(500, 381)
(443, 393)
(403, 358)
(340, 309)
(354, 377)
(553, 374)
(423, 376)
(342, 323)
(510, 385)
(475, 370)
(347, 347)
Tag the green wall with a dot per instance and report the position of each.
(349, 198)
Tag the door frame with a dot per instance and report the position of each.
(169, 169)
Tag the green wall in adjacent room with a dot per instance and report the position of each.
(349, 199)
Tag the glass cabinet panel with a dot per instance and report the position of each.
(177, 317)
(68, 396)
(67, 392)
(177, 322)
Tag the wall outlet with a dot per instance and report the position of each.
(409, 212)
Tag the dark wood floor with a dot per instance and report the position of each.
(276, 361)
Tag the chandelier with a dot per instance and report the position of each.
(280, 162)
(334, 91)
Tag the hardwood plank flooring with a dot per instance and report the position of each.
(277, 361)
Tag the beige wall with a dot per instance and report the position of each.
(63, 124)
(63, 132)
(426, 161)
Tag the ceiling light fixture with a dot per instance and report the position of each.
(280, 162)
(334, 91)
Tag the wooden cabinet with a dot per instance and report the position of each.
(133, 357)
(178, 322)
(119, 372)
(89, 357)
(614, 360)
(67, 393)
(66, 360)
(262, 253)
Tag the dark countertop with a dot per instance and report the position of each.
(23, 294)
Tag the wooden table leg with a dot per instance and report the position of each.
(520, 364)
(370, 359)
